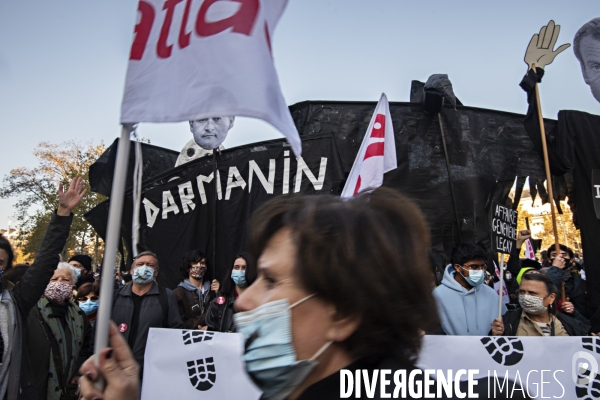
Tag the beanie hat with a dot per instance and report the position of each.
(85, 261)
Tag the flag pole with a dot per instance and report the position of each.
(110, 251)
(501, 292)
(214, 216)
(546, 163)
(450, 178)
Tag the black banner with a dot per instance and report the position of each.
(504, 228)
(176, 209)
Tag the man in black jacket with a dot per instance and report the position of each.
(142, 304)
(16, 377)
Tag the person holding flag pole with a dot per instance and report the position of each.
(222, 67)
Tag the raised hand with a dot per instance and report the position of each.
(68, 200)
(522, 236)
(541, 47)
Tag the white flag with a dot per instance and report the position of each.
(377, 154)
(194, 59)
(529, 253)
(189, 364)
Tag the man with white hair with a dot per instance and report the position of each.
(16, 376)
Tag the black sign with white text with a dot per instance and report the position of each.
(504, 228)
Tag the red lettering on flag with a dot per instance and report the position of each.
(241, 22)
(374, 150)
(142, 30)
(162, 49)
(184, 38)
(378, 127)
(357, 188)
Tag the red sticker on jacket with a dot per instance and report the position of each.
(123, 328)
(220, 300)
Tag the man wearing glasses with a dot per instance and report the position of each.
(466, 305)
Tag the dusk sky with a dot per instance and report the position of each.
(63, 63)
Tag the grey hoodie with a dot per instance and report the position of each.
(465, 312)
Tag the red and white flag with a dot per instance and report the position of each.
(529, 253)
(193, 59)
(504, 290)
(377, 154)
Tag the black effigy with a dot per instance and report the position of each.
(573, 148)
(487, 149)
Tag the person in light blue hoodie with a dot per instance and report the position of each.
(465, 305)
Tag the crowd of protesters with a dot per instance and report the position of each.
(367, 308)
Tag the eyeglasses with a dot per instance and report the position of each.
(84, 299)
(474, 267)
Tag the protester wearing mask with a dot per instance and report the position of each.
(143, 304)
(16, 376)
(242, 274)
(562, 271)
(537, 315)
(334, 290)
(195, 292)
(465, 305)
(87, 298)
(83, 265)
(60, 338)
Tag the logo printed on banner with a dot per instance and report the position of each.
(190, 337)
(202, 373)
(585, 374)
(504, 350)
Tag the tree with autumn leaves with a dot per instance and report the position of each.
(36, 191)
(567, 233)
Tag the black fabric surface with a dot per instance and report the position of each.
(574, 148)
(156, 160)
(487, 149)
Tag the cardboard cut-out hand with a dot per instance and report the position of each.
(541, 47)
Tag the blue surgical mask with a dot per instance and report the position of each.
(89, 306)
(270, 356)
(239, 277)
(77, 273)
(143, 275)
(475, 278)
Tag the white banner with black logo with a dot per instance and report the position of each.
(186, 364)
(549, 367)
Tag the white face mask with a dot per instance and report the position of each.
(532, 304)
(270, 355)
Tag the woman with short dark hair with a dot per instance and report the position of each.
(242, 274)
(342, 284)
(88, 300)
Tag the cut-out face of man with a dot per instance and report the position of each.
(209, 133)
(587, 51)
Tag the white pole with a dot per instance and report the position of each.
(113, 236)
(501, 291)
